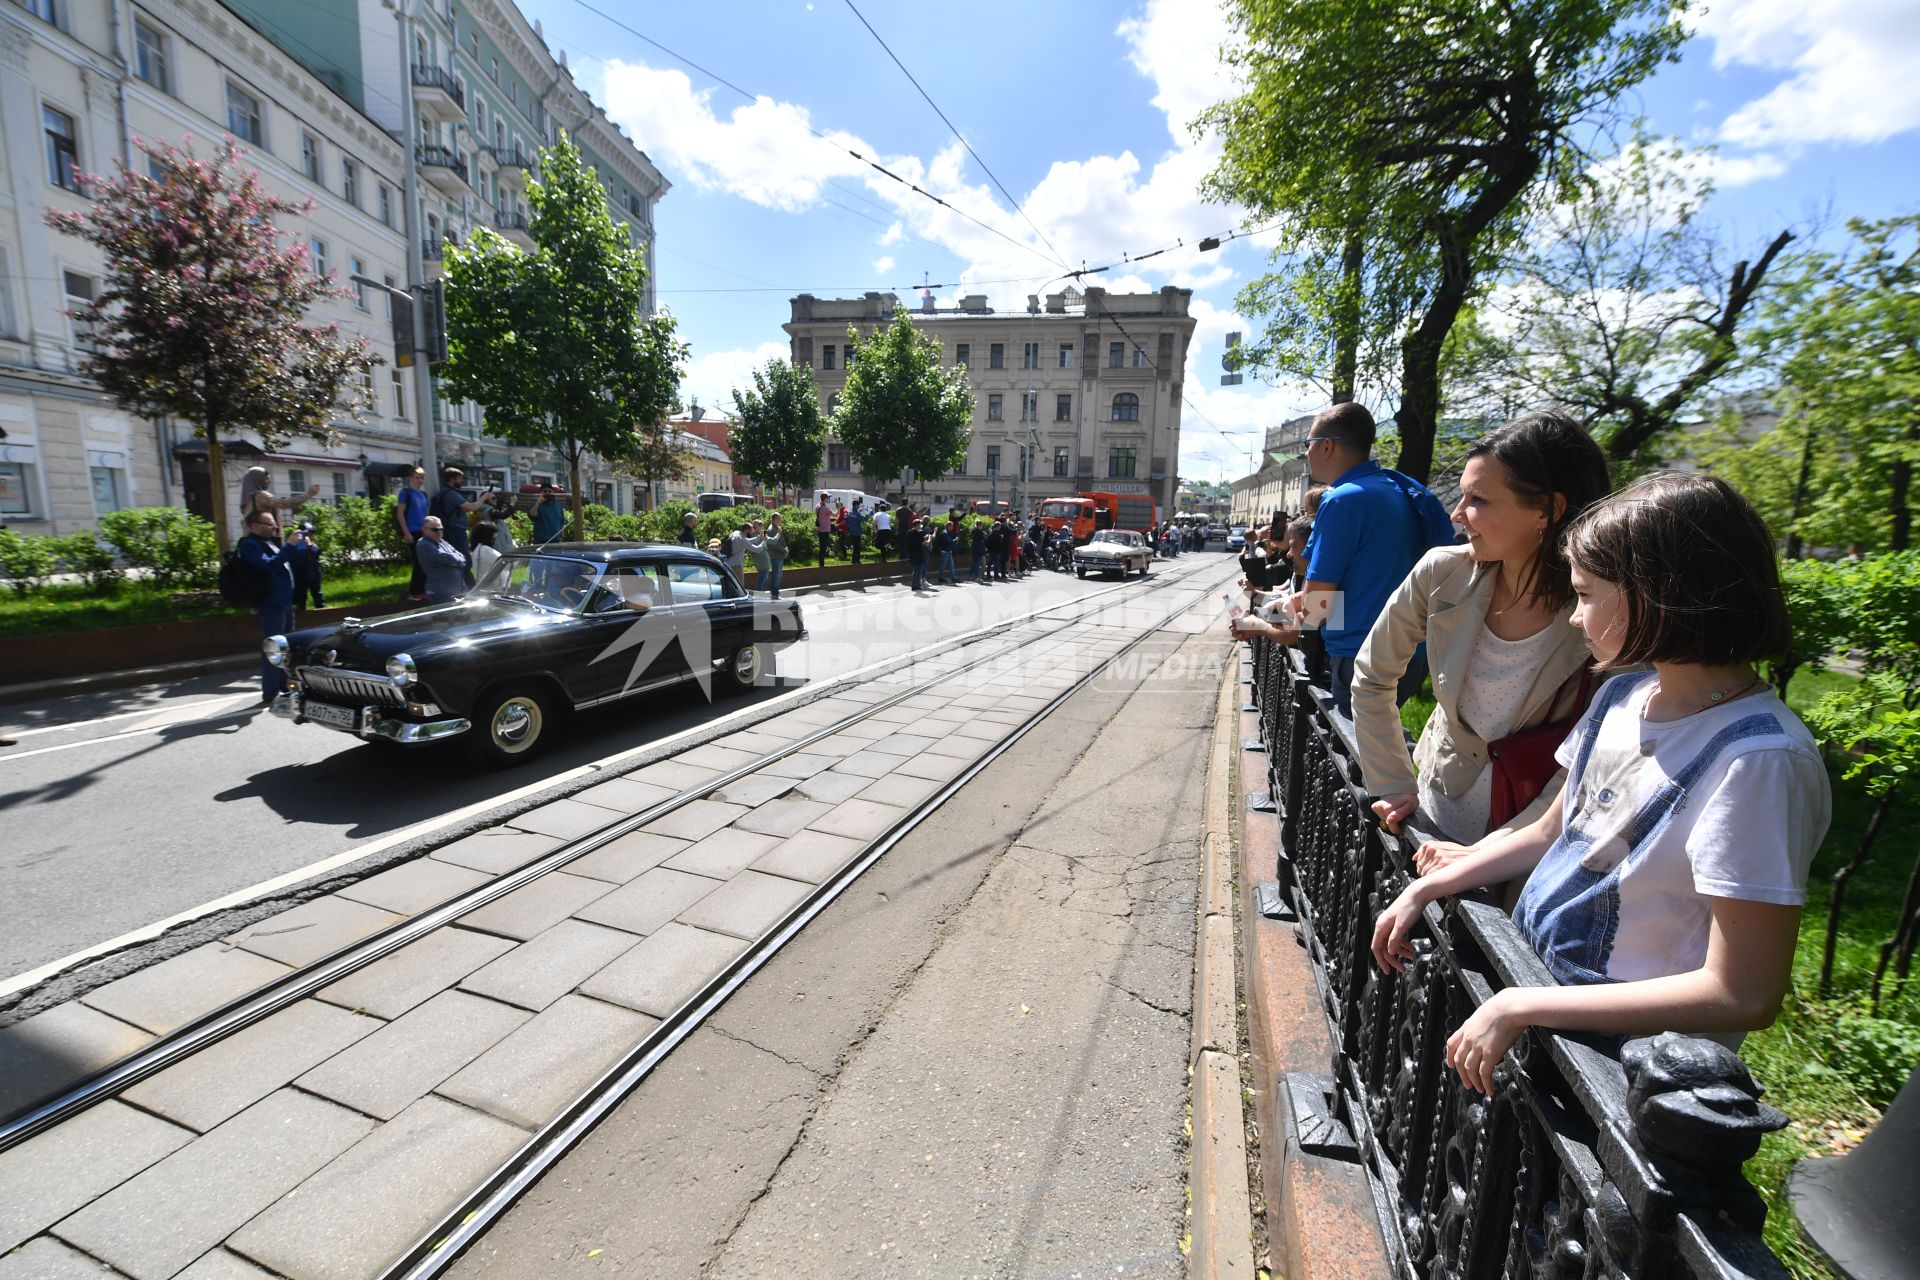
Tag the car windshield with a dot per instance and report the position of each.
(550, 582)
(1114, 536)
(1061, 511)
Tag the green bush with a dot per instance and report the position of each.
(602, 524)
(86, 555)
(353, 531)
(1876, 1055)
(179, 549)
(520, 526)
(27, 561)
(663, 522)
(803, 543)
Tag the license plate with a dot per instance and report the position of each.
(333, 717)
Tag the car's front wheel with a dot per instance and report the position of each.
(510, 724)
(745, 666)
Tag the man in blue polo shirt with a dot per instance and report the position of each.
(1373, 526)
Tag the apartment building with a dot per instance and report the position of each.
(317, 94)
(1083, 392)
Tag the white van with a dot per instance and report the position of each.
(868, 501)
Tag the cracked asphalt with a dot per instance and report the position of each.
(973, 1064)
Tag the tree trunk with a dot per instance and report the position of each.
(573, 490)
(217, 486)
(1901, 943)
(1346, 355)
(1800, 484)
(1839, 895)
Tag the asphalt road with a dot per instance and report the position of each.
(126, 807)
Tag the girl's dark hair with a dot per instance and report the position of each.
(481, 535)
(1546, 453)
(1696, 566)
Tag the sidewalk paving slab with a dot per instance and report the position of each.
(405, 1060)
(46, 1259)
(724, 854)
(674, 774)
(53, 1173)
(747, 905)
(935, 767)
(713, 755)
(903, 791)
(625, 795)
(832, 788)
(413, 887)
(622, 859)
(393, 984)
(536, 973)
(311, 930)
(860, 819)
(534, 908)
(566, 819)
(755, 788)
(50, 1050)
(225, 1079)
(168, 995)
(218, 1264)
(811, 856)
(649, 902)
(538, 1069)
(659, 975)
(782, 817)
(497, 850)
(409, 1173)
(868, 765)
(695, 819)
(800, 765)
(155, 1224)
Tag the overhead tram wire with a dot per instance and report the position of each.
(952, 128)
(838, 146)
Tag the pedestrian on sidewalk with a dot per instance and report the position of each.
(261, 551)
(733, 550)
(757, 552)
(823, 527)
(776, 553)
(689, 530)
(856, 526)
(409, 509)
(305, 562)
(445, 565)
(978, 544)
(883, 531)
(943, 542)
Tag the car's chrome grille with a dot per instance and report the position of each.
(349, 686)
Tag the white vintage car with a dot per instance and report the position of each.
(1118, 551)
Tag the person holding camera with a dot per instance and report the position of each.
(304, 559)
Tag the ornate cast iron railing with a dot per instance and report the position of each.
(1590, 1160)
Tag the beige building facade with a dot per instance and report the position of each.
(1088, 385)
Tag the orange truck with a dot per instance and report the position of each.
(1085, 514)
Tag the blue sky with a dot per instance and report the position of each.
(1079, 108)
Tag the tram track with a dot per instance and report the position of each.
(437, 1249)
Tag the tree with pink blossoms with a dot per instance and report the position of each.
(203, 312)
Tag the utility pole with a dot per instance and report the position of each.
(416, 264)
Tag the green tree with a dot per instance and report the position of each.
(1397, 144)
(780, 435)
(1619, 305)
(556, 342)
(656, 456)
(901, 408)
(201, 314)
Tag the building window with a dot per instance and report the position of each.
(79, 290)
(994, 412)
(963, 354)
(150, 55)
(16, 489)
(480, 115)
(386, 204)
(156, 170)
(1029, 406)
(399, 393)
(339, 486)
(9, 322)
(318, 249)
(993, 459)
(997, 356)
(356, 267)
(45, 10)
(106, 489)
(1030, 355)
(1060, 458)
(63, 151)
(1063, 407)
(366, 389)
(496, 71)
(1116, 355)
(1140, 358)
(310, 156)
(1126, 407)
(838, 459)
(826, 356)
(1066, 355)
(1120, 464)
(350, 182)
(296, 480)
(833, 404)
(849, 356)
(243, 116)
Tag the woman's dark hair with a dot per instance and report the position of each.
(1545, 453)
(481, 535)
(1696, 566)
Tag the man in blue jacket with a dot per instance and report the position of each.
(1373, 525)
(262, 553)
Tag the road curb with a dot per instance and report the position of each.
(1222, 1222)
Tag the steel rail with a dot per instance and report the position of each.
(441, 1247)
(246, 1010)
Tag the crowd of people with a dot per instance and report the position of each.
(1600, 744)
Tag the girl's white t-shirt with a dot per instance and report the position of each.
(1748, 828)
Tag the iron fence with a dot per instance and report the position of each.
(1592, 1158)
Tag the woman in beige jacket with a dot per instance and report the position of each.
(1494, 617)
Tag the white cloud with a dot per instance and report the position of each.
(882, 264)
(711, 378)
(1854, 69)
(1176, 44)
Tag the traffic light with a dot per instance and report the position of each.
(402, 328)
(432, 339)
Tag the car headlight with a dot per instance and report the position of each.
(274, 650)
(400, 670)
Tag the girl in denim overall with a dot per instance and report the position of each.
(1664, 889)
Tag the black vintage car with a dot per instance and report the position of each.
(550, 629)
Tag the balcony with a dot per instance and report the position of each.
(514, 227)
(438, 95)
(444, 169)
(515, 165)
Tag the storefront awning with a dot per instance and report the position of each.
(228, 449)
